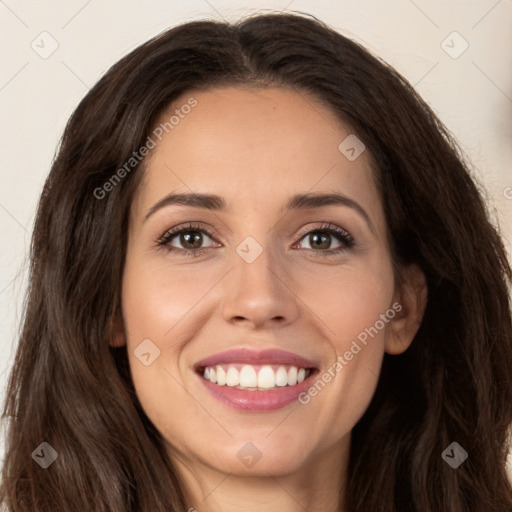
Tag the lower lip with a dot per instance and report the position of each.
(255, 400)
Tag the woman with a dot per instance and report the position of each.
(261, 274)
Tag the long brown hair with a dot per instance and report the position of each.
(69, 388)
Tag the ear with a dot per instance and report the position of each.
(411, 295)
(118, 334)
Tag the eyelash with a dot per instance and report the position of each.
(326, 228)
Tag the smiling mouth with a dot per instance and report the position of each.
(250, 377)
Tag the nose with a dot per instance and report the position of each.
(260, 293)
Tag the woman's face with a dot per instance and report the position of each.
(267, 297)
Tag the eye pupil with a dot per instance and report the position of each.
(321, 241)
(187, 238)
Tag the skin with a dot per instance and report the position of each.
(256, 148)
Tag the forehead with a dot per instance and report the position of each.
(256, 147)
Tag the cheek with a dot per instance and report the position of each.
(156, 298)
(348, 299)
(155, 301)
(355, 309)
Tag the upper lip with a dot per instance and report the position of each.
(259, 357)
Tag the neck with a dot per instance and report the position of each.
(317, 486)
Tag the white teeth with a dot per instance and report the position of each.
(292, 376)
(266, 378)
(221, 375)
(232, 377)
(249, 378)
(281, 376)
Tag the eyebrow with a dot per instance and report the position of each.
(306, 201)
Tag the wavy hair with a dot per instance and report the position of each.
(69, 387)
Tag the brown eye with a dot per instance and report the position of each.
(186, 240)
(191, 239)
(320, 241)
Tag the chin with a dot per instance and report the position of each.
(260, 458)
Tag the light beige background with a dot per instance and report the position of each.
(472, 93)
